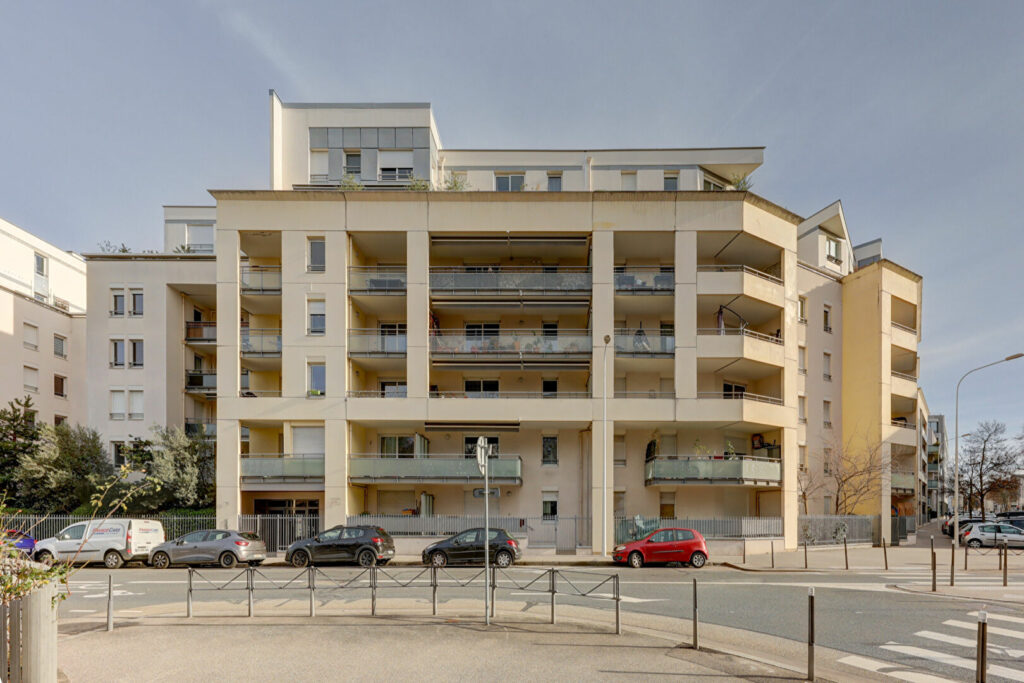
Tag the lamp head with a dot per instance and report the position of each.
(608, 338)
(1014, 356)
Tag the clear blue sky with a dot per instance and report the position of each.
(909, 112)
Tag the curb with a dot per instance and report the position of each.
(937, 594)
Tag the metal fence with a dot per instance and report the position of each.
(280, 531)
(632, 528)
(562, 533)
(832, 529)
(46, 526)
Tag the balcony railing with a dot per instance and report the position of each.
(933, 484)
(902, 479)
(198, 382)
(200, 332)
(200, 428)
(373, 343)
(260, 342)
(245, 392)
(393, 392)
(383, 280)
(639, 342)
(397, 174)
(509, 394)
(904, 424)
(260, 279)
(739, 331)
(511, 343)
(905, 328)
(645, 394)
(724, 469)
(645, 280)
(375, 467)
(745, 395)
(199, 248)
(281, 466)
(740, 269)
(904, 375)
(559, 280)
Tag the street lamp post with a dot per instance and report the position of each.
(604, 450)
(956, 448)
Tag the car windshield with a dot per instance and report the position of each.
(249, 536)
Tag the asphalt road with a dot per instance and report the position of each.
(855, 612)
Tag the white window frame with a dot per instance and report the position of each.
(63, 344)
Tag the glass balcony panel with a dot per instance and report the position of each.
(200, 381)
(282, 465)
(199, 332)
(434, 467)
(512, 343)
(260, 279)
(373, 342)
(560, 280)
(639, 342)
(377, 280)
(903, 480)
(724, 468)
(645, 280)
(261, 342)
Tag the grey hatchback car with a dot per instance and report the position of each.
(225, 548)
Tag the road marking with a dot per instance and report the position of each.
(953, 660)
(999, 617)
(994, 630)
(902, 674)
(967, 642)
(83, 611)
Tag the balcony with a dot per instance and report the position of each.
(741, 343)
(438, 469)
(260, 280)
(281, 467)
(731, 280)
(740, 395)
(200, 333)
(200, 382)
(260, 343)
(513, 348)
(645, 280)
(378, 280)
(509, 394)
(371, 343)
(702, 469)
(196, 427)
(902, 480)
(640, 343)
(511, 282)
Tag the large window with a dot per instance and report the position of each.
(136, 405)
(833, 250)
(118, 407)
(117, 353)
(31, 378)
(30, 336)
(137, 302)
(549, 388)
(117, 302)
(317, 379)
(628, 180)
(512, 182)
(555, 183)
(481, 388)
(549, 450)
(317, 255)
(483, 329)
(117, 452)
(138, 353)
(317, 316)
(398, 446)
(801, 309)
(549, 504)
(353, 164)
(393, 389)
(671, 182)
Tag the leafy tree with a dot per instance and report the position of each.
(65, 471)
(19, 436)
(349, 183)
(455, 183)
(182, 465)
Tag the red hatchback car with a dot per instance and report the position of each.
(662, 546)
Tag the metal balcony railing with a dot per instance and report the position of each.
(397, 174)
(640, 342)
(739, 331)
(391, 392)
(519, 343)
(375, 467)
(645, 279)
(200, 428)
(745, 395)
(905, 328)
(199, 247)
(904, 424)
(198, 382)
(257, 342)
(200, 332)
(904, 375)
(903, 479)
(509, 394)
(259, 393)
(373, 343)
(260, 279)
(725, 469)
(282, 466)
(559, 280)
(383, 280)
(740, 269)
(645, 394)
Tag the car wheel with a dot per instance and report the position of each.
(300, 558)
(44, 557)
(161, 561)
(503, 559)
(438, 559)
(974, 543)
(112, 560)
(698, 560)
(367, 558)
(636, 560)
(228, 560)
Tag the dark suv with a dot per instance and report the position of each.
(363, 545)
(467, 547)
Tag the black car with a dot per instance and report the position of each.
(467, 547)
(947, 527)
(364, 545)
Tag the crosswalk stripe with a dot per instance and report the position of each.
(903, 675)
(999, 617)
(953, 660)
(967, 642)
(993, 630)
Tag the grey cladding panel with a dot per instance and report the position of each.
(352, 138)
(386, 138)
(421, 138)
(318, 138)
(369, 160)
(334, 138)
(421, 163)
(368, 138)
(403, 138)
(335, 164)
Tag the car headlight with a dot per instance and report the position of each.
(619, 548)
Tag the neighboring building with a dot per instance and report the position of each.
(42, 326)
(939, 467)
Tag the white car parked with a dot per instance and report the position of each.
(987, 534)
(112, 542)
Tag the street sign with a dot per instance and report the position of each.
(481, 453)
(479, 493)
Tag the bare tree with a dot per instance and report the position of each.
(808, 484)
(852, 473)
(987, 463)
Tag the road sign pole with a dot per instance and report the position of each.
(483, 452)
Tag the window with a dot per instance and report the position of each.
(138, 355)
(60, 386)
(803, 458)
(671, 182)
(827, 506)
(826, 366)
(73, 533)
(712, 186)
(801, 408)
(826, 460)
(629, 181)
(399, 446)
(482, 329)
(833, 250)
(555, 183)
(801, 310)
(136, 405)
(117, 302)
(317, 379)
(137, 307)
(549, 450)
(396, 173)
(30, 336)
(469, 445)
(30, 415)
(392, 389)
(317, 255)
(480, 388)
(117, 404)
(317, 316)
(243, 379)
(549, 388)
(60, 346)
(117, 353)
(733, 390)
(354, 164)
(549, 504)
(826, 414)
(508, 183)
(31, 378)
(801, 360)
(307, 441)
(319, 165)
(59, 420)
(619, 450)
(667, 507)
(550, 329)
(619, 504)
(827, 318)
(41, 265)
(393, 339)
(117, 451)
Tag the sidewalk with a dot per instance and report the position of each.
(529, 560)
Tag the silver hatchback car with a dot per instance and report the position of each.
(992, 534)
(225, 548)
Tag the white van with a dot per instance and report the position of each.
(112, 542)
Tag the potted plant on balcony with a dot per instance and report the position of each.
(314, 392)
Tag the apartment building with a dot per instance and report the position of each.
(42, 325)
(939, 467)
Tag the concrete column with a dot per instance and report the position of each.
(39, 635)
(602, 471)
(336, 496)
(418, 306)
(228, 503)
(790, 439)
(790, 487)
(686, 314)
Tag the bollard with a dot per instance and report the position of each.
(311, 578)
(618, 605)
(744, 551)
(433, 588)
(885, 554)
(110, 601)
(494, 586)
(3, 641)
(805, 553)
(952, 561)
(999, 551)
(1006, 561)
(696, 642)
(773, 554)
(981, 657)
(965, 555)
(551, 578)
(933, 571)
(846, 555)
(188, 598)
(810, 633)
(251, 581)
(933, 543)
(373, 591)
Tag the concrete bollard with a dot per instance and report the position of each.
(1006, 561)
(39, 635)
(773, 554)
(311, 579)
(846, 554)
(810, 633)
(981, 656)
